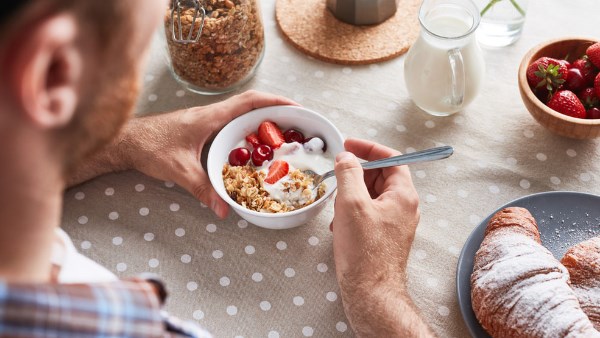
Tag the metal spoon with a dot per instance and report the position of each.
(419, 156)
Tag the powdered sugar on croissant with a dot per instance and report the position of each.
(518, 288)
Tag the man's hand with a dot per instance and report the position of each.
(376, 215)
(168, 146)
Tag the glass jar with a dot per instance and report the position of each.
(214, 46)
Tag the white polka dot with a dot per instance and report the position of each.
(372, 132)
(431, 282)
(313, 241)
(346, 70)
(511, 161)
(454, 250)
(289, 272)
(109, 191)
(192, 286)
(121, 267)
(459, 120)
(86, 245)
(232, 310)
(202, 205)
(169, 184)
(571, 153)
(410, 150)
(291, 78)
(307, 331)
(257, 277)
(217, 254)
(585, 177)
(117, 240)
(273, 334)
(149, 237)
(174, 207)
(153, 263)
(144, 211)
(265, 306)
(82, 220)
(462, 193)
(443, 311)
(198, 315)
(341, 326)
(450, 169)
(327, 94)
(319, 74)
(555, 180)
(140, 187)
(525, 184)
(494, 189)
(429, 124)
(429, 198)
(442, 223)
(322, 267)
(249, 249)
(420, 174)
(541, 157)
(528, 133)
(401, 128)
(152, 97)
(180, 93)
(281, 245)
(331, 296)
(149, 77)
(186, 258)
(179, 232)
(242, 224)
(113, 216)
(420, 254)
(224, 281)
(211, 228)
(79, 195)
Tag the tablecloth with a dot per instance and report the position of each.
(238, 280)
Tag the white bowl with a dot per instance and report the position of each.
(309, 122)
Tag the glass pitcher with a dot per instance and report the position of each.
(444, 69)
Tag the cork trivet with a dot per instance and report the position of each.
(311, 27)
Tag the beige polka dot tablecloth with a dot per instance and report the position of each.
(238, 280)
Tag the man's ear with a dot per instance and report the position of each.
(45, 66)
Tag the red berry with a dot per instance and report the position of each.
(565, 63)
(270, 134)
(588, 71)
(239, 156)
(277, 171)
(253, 140)
(575, 81)
(588, 98)
(546, 73)
(293, 135)
(261, 154)
(566, 102)
(597, 85)
(593, 52)
(593, 113)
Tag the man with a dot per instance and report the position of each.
(68, 82)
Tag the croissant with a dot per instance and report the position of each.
(583, 263)
(518, 289)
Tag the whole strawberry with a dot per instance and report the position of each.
(587, 69)
(593, 53)
(588, 98)
(566, 102)
(597, 85)
(546, 75)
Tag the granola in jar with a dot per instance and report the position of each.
(230, 47)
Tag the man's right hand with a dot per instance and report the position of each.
(376, 215)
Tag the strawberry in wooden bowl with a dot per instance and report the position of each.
(559, 83)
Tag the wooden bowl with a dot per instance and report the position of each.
(554, 121)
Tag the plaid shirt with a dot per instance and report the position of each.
(127, 308)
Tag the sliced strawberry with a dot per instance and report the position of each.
(593, 52)
(277, 171)
(253, 140)
(270, 134)
(566, 102)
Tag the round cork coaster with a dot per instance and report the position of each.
(311, 27)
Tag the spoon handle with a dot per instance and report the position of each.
(419, 156)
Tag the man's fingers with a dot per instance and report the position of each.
(350, 181)
(198, 184)
(247, 101)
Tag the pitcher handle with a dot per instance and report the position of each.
(458, 77)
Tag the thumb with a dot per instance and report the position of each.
(350, 179)
(199, 185)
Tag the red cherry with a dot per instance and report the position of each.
(239, 156)
(575, 81)
(293, 135)
(593, 113)
(261, 154)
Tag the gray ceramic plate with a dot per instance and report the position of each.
(564, 219)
